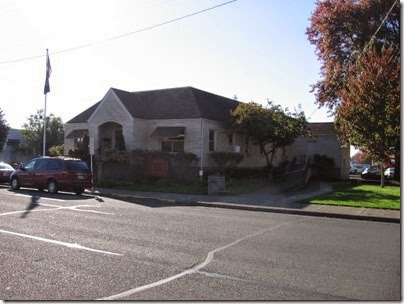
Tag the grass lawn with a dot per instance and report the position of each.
(370, 196)
(233, 186)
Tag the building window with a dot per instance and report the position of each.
(231, 140)
(173, 144)
(247, 144)
(211, 141)
(106, 143)
(119, 141)
(78, 141)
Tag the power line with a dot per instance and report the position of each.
(360, 55)
(120, 36)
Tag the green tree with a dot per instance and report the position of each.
(32, 133)
(271, 127)
(4, 128)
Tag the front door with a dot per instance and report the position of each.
(27, 173)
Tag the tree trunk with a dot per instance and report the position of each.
(397, 164)
(382, 177)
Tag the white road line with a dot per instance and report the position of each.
(24, 211)
(70, 245)
(194, 269)
(91, 211)
(81, 210)
(40, 197)
(56, 207)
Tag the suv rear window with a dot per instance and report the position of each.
(76, 166)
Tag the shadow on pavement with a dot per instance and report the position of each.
(32, 205)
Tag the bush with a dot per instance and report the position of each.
(56, 150)
(115, 156)
(184, 158)
(226, 161)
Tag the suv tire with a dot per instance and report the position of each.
(15, 183)
(52, 186)
(78, 191)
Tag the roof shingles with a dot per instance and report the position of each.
(175, 103)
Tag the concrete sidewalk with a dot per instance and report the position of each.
(264, 200)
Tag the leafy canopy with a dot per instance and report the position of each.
(369, 117)
(340, 30)
(32, 133)
(271, 126)
(358, 43)
(4, 128)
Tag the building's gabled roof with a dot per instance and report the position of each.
(175, 103)
(84, 116)
(322, 128)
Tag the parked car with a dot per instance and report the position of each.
(53, 174)
(389, 173)
(353, 170)
(358, 168)
(5, 171)
(371, 173)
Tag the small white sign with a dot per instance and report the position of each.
(91, 146)
(200, 173)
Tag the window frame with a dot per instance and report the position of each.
(212, 141)
(247, 145)
(172, 141)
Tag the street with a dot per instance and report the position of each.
(68, 247)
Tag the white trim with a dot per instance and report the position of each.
(115, 97)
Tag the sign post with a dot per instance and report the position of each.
(91, 148)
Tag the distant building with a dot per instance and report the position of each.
(10, 153)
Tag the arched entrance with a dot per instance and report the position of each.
(111, 137)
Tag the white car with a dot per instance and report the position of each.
(389, 173)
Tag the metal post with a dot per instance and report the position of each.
(92, 174)
(44, 129)
(201, 169)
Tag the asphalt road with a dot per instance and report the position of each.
(67, 247)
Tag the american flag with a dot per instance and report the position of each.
(48, 73)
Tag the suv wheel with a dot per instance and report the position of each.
(78, 191)
(15, 183)
(52, 186)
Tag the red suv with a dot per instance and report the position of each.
(54, 174)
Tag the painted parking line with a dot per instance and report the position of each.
(40, 197)
(24, 211)
(70, 245)
(56, 207)
(192, 270)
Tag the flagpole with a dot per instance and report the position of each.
(44, 118)
(44, 129)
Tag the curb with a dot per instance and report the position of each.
(252, 208)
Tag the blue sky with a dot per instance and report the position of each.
(254, 49)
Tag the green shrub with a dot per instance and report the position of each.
(226, 162)
(56, 150)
